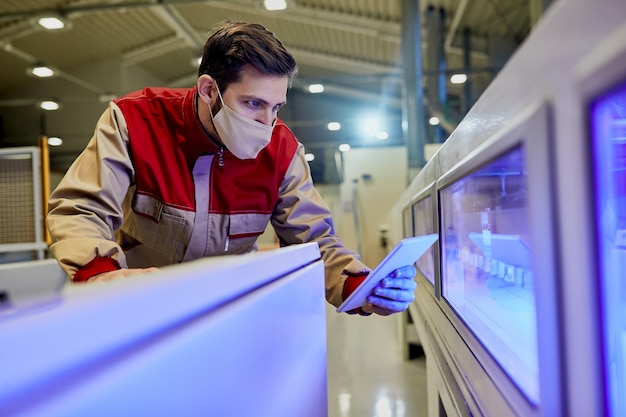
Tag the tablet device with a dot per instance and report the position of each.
(510, 249)
(407, 252)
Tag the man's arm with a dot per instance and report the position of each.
(85, 209)
(301, 215)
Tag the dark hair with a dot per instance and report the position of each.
(235, 44)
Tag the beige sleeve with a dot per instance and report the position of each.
(85, 209)
(301, 215)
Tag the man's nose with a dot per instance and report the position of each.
(266, 117)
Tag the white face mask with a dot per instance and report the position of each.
(242, 136)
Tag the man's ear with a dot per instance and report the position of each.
(206, 88)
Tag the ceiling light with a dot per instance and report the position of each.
(316, 88)
(458, 78)
(309, 156)
(369, 124)
(434, 121)
(40, 71)
(382, 135)
(49, 105)
(51, 23)
(195, 62)
(344, 147)
(106, 97)
(275, 4)
(55, 141)
(334, 126)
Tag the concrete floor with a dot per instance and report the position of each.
(367, 375)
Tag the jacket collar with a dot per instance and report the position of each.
(193, 127)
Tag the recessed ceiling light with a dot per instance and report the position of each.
(370, 123)
(275, 4)
(316, 88)
(51, 22)
(344, 147)
(309, 157)
(458, 78)
(434, 121)
(55, 141)
(49, 105)
(382, 135)
(334, 126)
(195, 62)
(40, 71)
(106, 97)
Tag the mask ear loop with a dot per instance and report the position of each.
(220, 153)
(219, 94)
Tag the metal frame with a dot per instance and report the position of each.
(427, 192)
(39, 245)
(599, 72)
(533, 132)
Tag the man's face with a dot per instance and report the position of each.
(256, 95)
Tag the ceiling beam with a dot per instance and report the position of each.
(151, 50)
(180, 25)
(454, 26)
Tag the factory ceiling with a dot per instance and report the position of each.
(353, 47)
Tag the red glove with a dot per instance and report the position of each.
(348, 288)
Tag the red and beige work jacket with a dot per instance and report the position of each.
(151, 189)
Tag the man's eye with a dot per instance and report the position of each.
(254, 104)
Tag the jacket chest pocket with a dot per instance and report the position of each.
(156, 228)
(244, 230)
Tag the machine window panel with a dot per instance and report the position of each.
(487, 271)
(608, 131)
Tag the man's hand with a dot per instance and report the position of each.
(120, 273)
(393, 294)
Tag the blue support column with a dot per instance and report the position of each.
(413, 117)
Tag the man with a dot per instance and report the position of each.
(173, 175)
